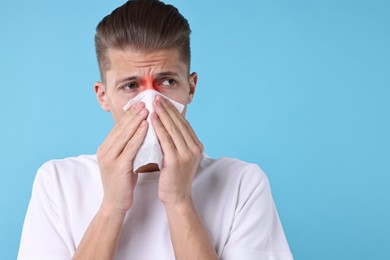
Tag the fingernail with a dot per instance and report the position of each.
(161, 99)
(142, 112)
(136, 106)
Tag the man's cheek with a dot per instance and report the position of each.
(181, 98)
(117, 115)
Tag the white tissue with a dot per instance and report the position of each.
(150, 150)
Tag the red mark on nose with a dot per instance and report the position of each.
(148, 83)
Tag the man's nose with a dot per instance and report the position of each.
(149, 84)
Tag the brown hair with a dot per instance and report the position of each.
(143, 25)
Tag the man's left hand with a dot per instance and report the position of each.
(182, 152)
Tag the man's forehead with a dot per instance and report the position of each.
(141, 58)
(156, 61)
(130, 63)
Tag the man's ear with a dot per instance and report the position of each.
(101, 96)
(193, 81)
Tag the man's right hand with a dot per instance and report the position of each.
(116, 155)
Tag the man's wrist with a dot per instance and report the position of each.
(182, 205)
(107, 211)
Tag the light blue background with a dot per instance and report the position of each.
(299, 87)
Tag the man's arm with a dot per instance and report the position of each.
(115, 157)
(101, 238)
(182, 153)
(190, 238)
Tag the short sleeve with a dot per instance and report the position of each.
(44, 234)
(256, 233)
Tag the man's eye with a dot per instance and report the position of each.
(168, 82)
(130, 86)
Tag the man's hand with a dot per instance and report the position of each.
(116, 156)
(182, 152)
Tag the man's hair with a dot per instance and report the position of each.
(142, 25)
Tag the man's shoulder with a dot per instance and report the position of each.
(70, 167)
(231, 167)
(85, 160)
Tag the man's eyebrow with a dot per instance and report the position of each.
(120, 81)
(157, 75)
(167, 74)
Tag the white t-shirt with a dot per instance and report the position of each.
(233, 199)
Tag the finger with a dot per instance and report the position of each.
(118, 128)
(167, 144)
(128, 133)
(132, 146)
(182, 124)
(193, 135)
(171, 128)
(124, 130)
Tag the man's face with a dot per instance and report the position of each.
(134, 71)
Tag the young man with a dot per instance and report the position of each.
(189, 206)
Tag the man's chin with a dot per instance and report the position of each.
(151, 167)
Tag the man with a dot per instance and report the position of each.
(190, 206)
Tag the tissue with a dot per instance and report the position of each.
(150, 150)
